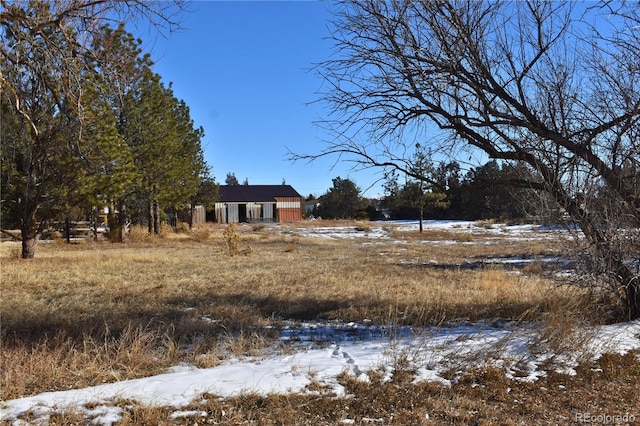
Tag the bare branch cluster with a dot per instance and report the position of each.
(48, 44)
(536, 83)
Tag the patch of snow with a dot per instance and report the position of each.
(181, 414)
(324, 351)
(381, 230)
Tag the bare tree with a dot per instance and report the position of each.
(535, 83)
(46, 53)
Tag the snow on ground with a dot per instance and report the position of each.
(386, 232)
(384, 229)
(319, 352)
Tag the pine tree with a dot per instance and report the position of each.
(342, 201)
(160, 144)
(46, 69)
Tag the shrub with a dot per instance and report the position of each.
(139, 234)
(465, 237)
(534, 268)
(53, 235)
(486, 223)
(200, 233)
(232, 239)
(182, 228)
(166, 229)
(363, 227)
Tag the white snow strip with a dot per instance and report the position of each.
(430, 352)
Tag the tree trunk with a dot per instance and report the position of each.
(122, 218)
(421, 213)
(613, 262)
(156, 217)
(96, 222)
(607, 257)
(30, 235)
(151, 219)
(615, 265)
(67, 230)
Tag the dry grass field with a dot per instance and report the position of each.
(96, 312)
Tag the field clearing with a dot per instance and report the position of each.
(417, 280)
(90, 314)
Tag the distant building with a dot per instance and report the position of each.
(258, 203)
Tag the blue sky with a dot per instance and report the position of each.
(243, 68)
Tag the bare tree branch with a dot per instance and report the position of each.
(525, 82)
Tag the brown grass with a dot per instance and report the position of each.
(97, 312)
(57, 362)
(607, 387)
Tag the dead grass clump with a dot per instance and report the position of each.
(200, 233)
(246, 343)
(563, 337)
(464, 237)
(58, 362)
(166, 229)
(396, 234)
(207, 360)
(232, 239)
(139, 234)
(619, 366)
(182, 228)
(534, 268)
(137, 415)
(488, 377)
(396, 401)
(434, 235)
(486, 223)
(496, 280)
(363, 227)
(53, 235)
(292, 244)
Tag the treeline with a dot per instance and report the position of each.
(484, 192)
(81, 132)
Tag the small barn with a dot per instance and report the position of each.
(258, 203)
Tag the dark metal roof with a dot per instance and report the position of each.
(255, 193)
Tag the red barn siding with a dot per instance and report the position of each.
(289, 209)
